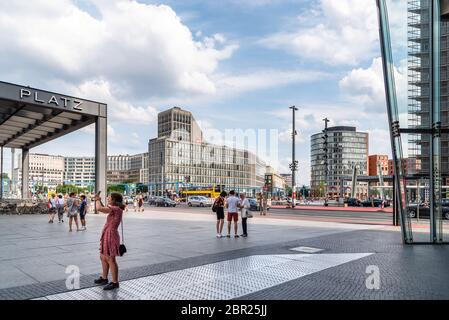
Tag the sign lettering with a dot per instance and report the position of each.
(53, 100)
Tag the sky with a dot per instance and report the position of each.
(236, 65)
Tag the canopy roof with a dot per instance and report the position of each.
(30, 117)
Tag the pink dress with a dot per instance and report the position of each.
(110, 238)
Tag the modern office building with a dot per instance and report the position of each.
(288, 179)
(346, 149)
(179, 158)
(278, 182)
(51, 171)
(44, 171)
(79, 171)
(138, 168)
(419, 87)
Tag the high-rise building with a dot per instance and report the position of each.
(346, 149)
(179, 157)
(419, 87)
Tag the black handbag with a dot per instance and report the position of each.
(122, 248)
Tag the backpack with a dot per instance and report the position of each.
(49, 205)
(215, 206)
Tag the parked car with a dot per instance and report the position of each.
(152, 200)
(377, 203)
(199, 201)
(353, 202)
(445, 202)
(254, 204)
(165, 202)
(424, 211)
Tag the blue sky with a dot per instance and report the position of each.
(234, 64)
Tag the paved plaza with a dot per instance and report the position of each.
(175, 255)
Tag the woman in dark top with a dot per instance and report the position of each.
(83, 211)
(219, 205)
(110, 239)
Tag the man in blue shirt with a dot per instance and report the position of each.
(83, 211)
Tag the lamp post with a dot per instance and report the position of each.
(326, 166)
(294, 164)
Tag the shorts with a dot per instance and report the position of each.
(220, 214)
(82, 215)
(233, 216)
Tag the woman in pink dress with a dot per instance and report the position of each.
(110, 239)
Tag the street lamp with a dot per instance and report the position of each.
(326, 166)
(294, 164)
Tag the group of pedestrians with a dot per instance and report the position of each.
(137, 203)
(234, 206)
(72, 206)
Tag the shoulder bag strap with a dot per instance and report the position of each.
(123, 237)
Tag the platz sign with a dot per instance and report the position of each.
(46, 98)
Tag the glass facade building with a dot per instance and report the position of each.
(419, 70)
(347, 149)
(179, 157)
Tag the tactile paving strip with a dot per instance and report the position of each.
(217, 281)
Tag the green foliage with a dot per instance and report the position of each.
(68, 188)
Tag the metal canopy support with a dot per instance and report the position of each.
(1, 172)
(25, 173)
(393, 118)
(101, 156)
(436, 233)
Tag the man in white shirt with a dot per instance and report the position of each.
(233, 205)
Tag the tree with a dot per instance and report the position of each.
(116, 188)
(68, 188)
(288, 191)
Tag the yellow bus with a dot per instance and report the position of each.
(210, 192)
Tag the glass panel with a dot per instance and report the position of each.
(393, 117)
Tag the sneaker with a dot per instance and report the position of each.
(244, 235)
(101, 281)
(228, 236)
(111, 286)
(218, 236)
(236, 236)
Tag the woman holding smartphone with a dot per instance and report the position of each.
(110, 239)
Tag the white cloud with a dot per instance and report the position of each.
(344, 32)
(118, 110)
(263, 79)
(366, 86)
(142, 50)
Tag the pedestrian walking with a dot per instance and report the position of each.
(51, 205)
(232, 204)
(218, 208)
(140, 203)
(127, 201)
(60, 208)
(73, 206)
(136, 203)
(110, 239)
(83, 211)
(244, 213)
